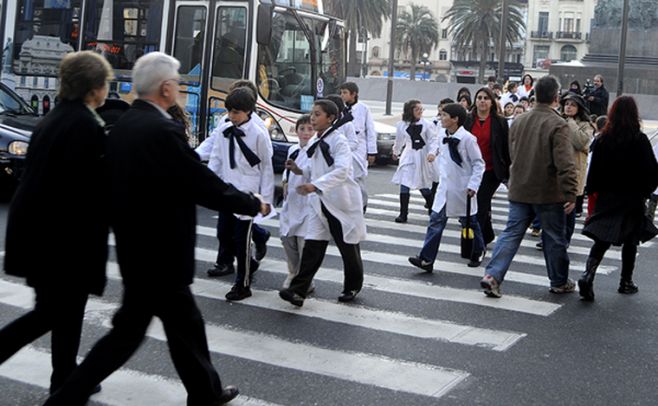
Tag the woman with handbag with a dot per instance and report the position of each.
(623, 172)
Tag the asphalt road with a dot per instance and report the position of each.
(410, 338)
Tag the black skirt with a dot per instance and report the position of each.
(618, 220)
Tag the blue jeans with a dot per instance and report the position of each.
(553, 222)
(435, 231)
(424, 191)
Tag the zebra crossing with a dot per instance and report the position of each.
(410, 338)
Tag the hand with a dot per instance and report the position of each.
(394, 157)
(568, 207)
(591, 98)
(470, 192)
(265, 208)
(285, 190)
(431, 158)
(371, 159)
(306, 188)
(290, 164)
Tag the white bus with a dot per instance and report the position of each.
(289, 48)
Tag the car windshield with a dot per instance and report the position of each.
(10, 104)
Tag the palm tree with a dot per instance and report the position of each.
(365, 17)
(416, 32)
(476, 24)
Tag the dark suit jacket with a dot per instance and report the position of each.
(499, 144)
(57, 227)
(156, 182)
(599, 105)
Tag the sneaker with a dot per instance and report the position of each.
(221, 270)
(491, 286)
(536, 232)
(568, 287)
(291, 297)
(539, 246)
(422, 264)
(238, 293)
(348, 296)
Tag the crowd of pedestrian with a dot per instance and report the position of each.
(544, 146)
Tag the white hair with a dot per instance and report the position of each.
(151, 70)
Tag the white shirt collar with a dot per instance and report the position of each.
(160, 109)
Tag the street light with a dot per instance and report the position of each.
(426, 63)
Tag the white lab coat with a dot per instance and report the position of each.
(205, 148)
(337, 190)
(244, 177)
(365, 132)
(438, 127)
(294, 213)
(414, 171)
(655, 152)
(359, 160)
(507, 97)
(455, 180)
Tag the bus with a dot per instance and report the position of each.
(290, 49)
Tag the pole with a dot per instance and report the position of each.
(622, 49)
(502, 45)
(391, 55)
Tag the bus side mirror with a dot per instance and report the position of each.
(264, 21)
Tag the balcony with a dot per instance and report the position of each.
(547, 35)
(569, 36)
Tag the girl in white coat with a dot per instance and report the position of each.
(413, 145)
(462, 167)
(336, 207)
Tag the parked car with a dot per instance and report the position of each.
(17, 121)
(385, 140)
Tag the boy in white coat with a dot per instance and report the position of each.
(241, 156)
(336, 207)
(462, 168)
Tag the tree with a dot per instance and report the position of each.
(416, 32)
(361, 17)
(477, 24)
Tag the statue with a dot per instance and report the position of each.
(643, 14)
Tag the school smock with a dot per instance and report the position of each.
(438, 126)
(337, 191)
(455, 179)
(365, 131)
(205, 148)
(359, 160)
(414, 171)
(293, 214)
(256, 178)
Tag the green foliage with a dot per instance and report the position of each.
(416, 32)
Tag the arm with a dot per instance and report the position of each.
(205, 148)
(339, 172)
(400, 139)
(264, 149)
(564, 162)
(350, 133)
(370, 132)
(582, 133)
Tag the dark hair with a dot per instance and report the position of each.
(80, 73)
(447, 100)
(491, 79)
(462, 91)
(623, 119)
(512, 85)
(577, 83)
(328, 107)
(244, 83)
(456, 110)
(601, 122)
(303, 119)
(520, 106)
(497, 86)
(350, 87)
(408, 110)
(337, 100)
(468, 100)
(527, 75)
(241, 99)
(546, 89)
(493, 110)
(583, 112)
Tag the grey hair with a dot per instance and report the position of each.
(151, 70)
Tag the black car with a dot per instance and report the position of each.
(17, 121)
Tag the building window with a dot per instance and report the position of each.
(568, 25)
(443, 55)
(540, 54)
(375, 52)
(577, 24)
(542, 22)
(444, 33)
(568, 53)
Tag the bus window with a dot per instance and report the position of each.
(122, 30)
(228, 62)
(330, 48)
(188, 43)
(45, 31)
(284, 66)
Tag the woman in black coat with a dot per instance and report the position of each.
(623, 172)
(57, 227)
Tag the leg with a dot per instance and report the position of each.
(554, 239)
(628, 255)
(350, 253)
(586, 281)
(404, 205)
(242, 241)
(578, 211)
(478, 241)
(488, 187)
(429, 198)
(293, 254)
(312, 256)
(226, 251)
(260, 236)
(570, 226)
(433, 236)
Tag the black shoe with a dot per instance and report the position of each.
(291, 297)
(585, 290)
(238, 292)
(221, 270)
(401, 219)
(348, 296)
(422, 264)
(539, 246)
(627, 287)
(228, 394)
(474, 262)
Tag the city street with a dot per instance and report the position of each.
(410, 338)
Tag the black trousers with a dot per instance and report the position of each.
(313, 255)
(226, 252)
(236, 234)
(488, 187)
(186, 337)
(59, 310)
(628, 255)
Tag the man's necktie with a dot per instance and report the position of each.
(417, 141)
(234, 134)
(454, 152)
(324, 148)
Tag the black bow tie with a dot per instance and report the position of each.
(452, 147)
(293, 157)
(324, 148)
(234, 134)
(345, 118)
(414, 131)
(514, 98)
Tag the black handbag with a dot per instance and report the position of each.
(467, 235)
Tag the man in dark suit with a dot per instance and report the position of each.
(598, 98)
(156, 181)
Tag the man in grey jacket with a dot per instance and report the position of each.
(542, 181)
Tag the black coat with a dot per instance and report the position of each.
(623, 173)
(157, 181)
(599, 105)
(499, 144)
(57, 227)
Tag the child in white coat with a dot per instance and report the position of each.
(413, 141)
(462, 168)
(336, 207)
